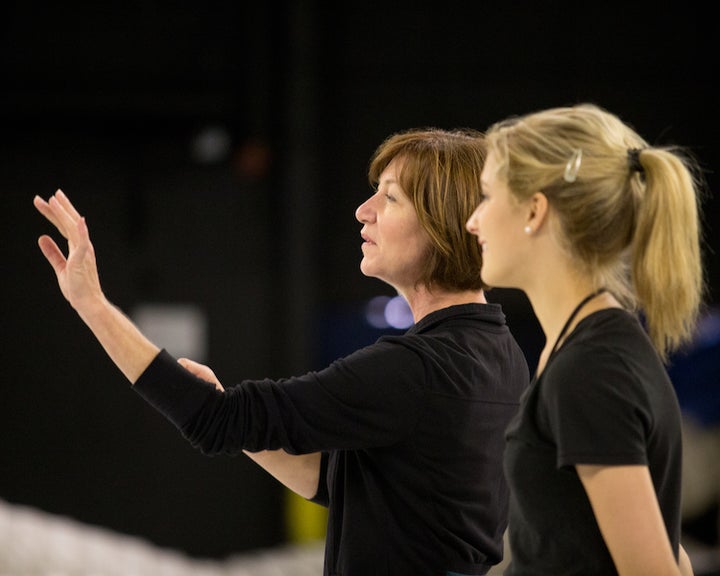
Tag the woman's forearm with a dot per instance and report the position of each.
(126, 346)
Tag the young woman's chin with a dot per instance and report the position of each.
(493, 277)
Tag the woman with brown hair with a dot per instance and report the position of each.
(402, 439)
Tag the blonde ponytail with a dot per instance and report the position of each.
(666, 261)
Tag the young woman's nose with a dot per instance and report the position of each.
(471, 224)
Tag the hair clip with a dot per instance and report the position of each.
(573, 166)
(634, 160)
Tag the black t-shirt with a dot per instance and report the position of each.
(604, 398)
(412, 431)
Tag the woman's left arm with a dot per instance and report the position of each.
(628, 515)
(298, 472)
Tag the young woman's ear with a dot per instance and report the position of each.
(536, 212)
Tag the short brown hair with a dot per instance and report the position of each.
(441, 175)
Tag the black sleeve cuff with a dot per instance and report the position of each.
(172, 390)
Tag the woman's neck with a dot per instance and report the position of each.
(554, 305)
(423, 301)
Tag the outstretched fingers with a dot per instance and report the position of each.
(66, 216)
(64, 201)
(46, 210)
(59, 210)
(52, 253)
(76, 272)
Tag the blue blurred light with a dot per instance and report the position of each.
(375, 312)
(398, 313)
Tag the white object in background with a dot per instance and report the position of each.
(181, 329)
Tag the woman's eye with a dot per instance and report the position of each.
(390, 197)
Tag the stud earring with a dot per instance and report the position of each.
(527, 229)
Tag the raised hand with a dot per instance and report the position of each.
(77, 274)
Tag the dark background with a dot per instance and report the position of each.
(108, 104)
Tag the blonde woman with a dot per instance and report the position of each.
(600, 230)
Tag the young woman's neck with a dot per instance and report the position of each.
(554, 303)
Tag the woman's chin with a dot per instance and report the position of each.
(367, 269)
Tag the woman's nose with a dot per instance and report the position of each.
(364, 212)
(470, 225)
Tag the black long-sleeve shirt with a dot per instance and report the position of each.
(412, 433)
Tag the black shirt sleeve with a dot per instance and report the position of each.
(596, 411)
(172, 390)
(369, 398)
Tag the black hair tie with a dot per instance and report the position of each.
(634, 161)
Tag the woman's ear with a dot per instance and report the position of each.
(537, 215)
